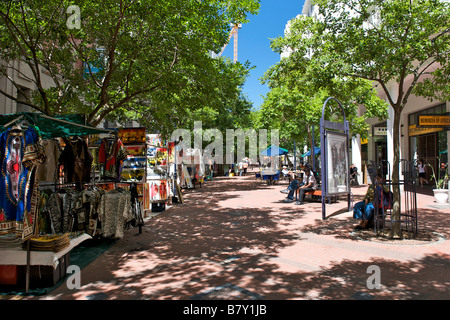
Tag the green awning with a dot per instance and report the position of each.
(51, 126)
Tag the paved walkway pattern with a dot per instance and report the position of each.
(234, 239)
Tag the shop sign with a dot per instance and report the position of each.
(364, 141)
(434, 120)
(380, 131)
(415, 130)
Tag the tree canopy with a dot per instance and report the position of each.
(149, 59)
(300, 84)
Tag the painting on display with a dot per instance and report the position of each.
(156, 190)
(132, 135)
(337, 163)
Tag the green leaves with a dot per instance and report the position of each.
(147, 59)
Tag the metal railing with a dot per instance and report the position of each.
(383, 213)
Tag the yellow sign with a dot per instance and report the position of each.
(364, 141)
(415, 131)
(434, 120)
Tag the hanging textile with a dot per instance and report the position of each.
(21, 154)
(136, 211)
(115, 212)
(111, 156)
(48, 170)
(77, 160)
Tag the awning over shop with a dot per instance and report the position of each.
(307, 154)
(51, 126)
(274, 151)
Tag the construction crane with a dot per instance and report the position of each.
(233, 32)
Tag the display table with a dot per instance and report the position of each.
(270, 176)
(47, 267)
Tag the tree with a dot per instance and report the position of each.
(147, 57)
(385, 42)
(298, 90)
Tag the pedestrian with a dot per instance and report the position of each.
(354, 175)
(310, 184)
(421, 169)
(293, 186)
(245, 166)
(364, 209)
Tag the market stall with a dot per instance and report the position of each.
(50, 199)
(158, 190)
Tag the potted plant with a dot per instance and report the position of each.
(440, 193)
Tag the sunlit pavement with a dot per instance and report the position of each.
(234, 239)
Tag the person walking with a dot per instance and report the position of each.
(421, 169)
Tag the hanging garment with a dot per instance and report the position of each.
(45, 224)
(163, 190)
(154, 191)
(77, 160)
(111, 156)
(91, 200)
(48, 170)
(21, 153)
(115, 212)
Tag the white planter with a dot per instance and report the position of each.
(441, 196)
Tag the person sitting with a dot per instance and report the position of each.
(364, 209)
(353, 175)
(285, 171)
(310, 184)
(293, 186)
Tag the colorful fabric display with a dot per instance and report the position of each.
(111, 156)
(21, 153)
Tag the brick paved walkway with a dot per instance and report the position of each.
(234, 239)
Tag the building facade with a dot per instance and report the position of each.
(19, 84)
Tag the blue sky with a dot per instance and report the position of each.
(254, 42)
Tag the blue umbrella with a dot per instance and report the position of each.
(274, 151)
(316, 152)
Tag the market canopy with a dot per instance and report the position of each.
(307, 154)
(51, 126)
(274, 151)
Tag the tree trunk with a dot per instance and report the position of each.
(396, 212)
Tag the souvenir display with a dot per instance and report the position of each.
(132, 135)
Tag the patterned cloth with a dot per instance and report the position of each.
(49, 169)
(93, 211)
(115, 212)
(111, 155)
(21, 153)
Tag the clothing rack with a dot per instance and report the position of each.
(22, 122)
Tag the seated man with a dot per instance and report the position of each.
(364, 210)
(293, 186)
(354, 175)
(310, 185)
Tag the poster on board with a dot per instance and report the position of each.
(337, 163)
